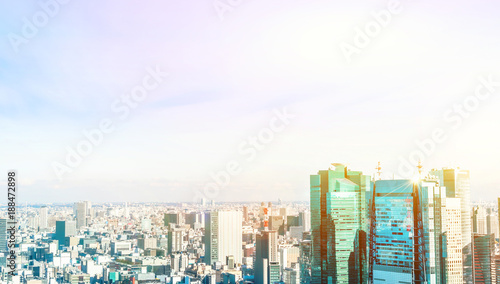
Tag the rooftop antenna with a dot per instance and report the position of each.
(379, 171)
(419, 167)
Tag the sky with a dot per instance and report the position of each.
(242, 100)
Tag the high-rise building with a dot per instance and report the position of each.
(391, 233)
(3, 235)
(479, 225)
(245, 213)
(173, 219)
(492, 223)
(415, 233)
(305, 220)
(175, 239)
(266, 253)
(64, 229)
(457, 183)
(83, 216)
(338, 213)
(43, 217)
(483, 251)
(452, 236)
(223, 236)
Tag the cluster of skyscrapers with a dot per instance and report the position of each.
(399, 231)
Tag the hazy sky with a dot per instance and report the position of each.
(63, 68)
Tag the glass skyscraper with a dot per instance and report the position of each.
(338, 213)
(414, 233)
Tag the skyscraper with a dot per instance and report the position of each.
(245, 213)
(391, 232)
(305, 220)
(223, 236)
(492, 222)
(43, 217)
(338, 212)
(483, 251)
(479, 225)
(266, 253)
(415, 233)
(175, 239)
(457, 183)
(83, 216)
(64, 229)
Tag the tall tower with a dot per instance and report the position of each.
(338, 213)
(83, 216)
(43, 217)
(483, 251)
(223, 236)
(64, 229)
(266, 253)
(457, 183)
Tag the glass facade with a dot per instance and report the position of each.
(338, 213)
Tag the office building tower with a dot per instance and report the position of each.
(391, 232)
(147, 243)
(483, 251)
(266, 252)
(305, 220)
(83, 216)
(457, 183)
(479, 220)
(175, 237)
(338, 212)
(43, 217)
(492, 223)
(173, 219)
(64, 229)
(223, 236)
(245, 213)
(415, 233)
(3, 235)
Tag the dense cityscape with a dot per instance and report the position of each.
(356, 228)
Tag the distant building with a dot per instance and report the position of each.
(83, 214)
(43, 217)
(3, 235)
(64, 229)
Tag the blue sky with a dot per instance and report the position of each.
(225, 79)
